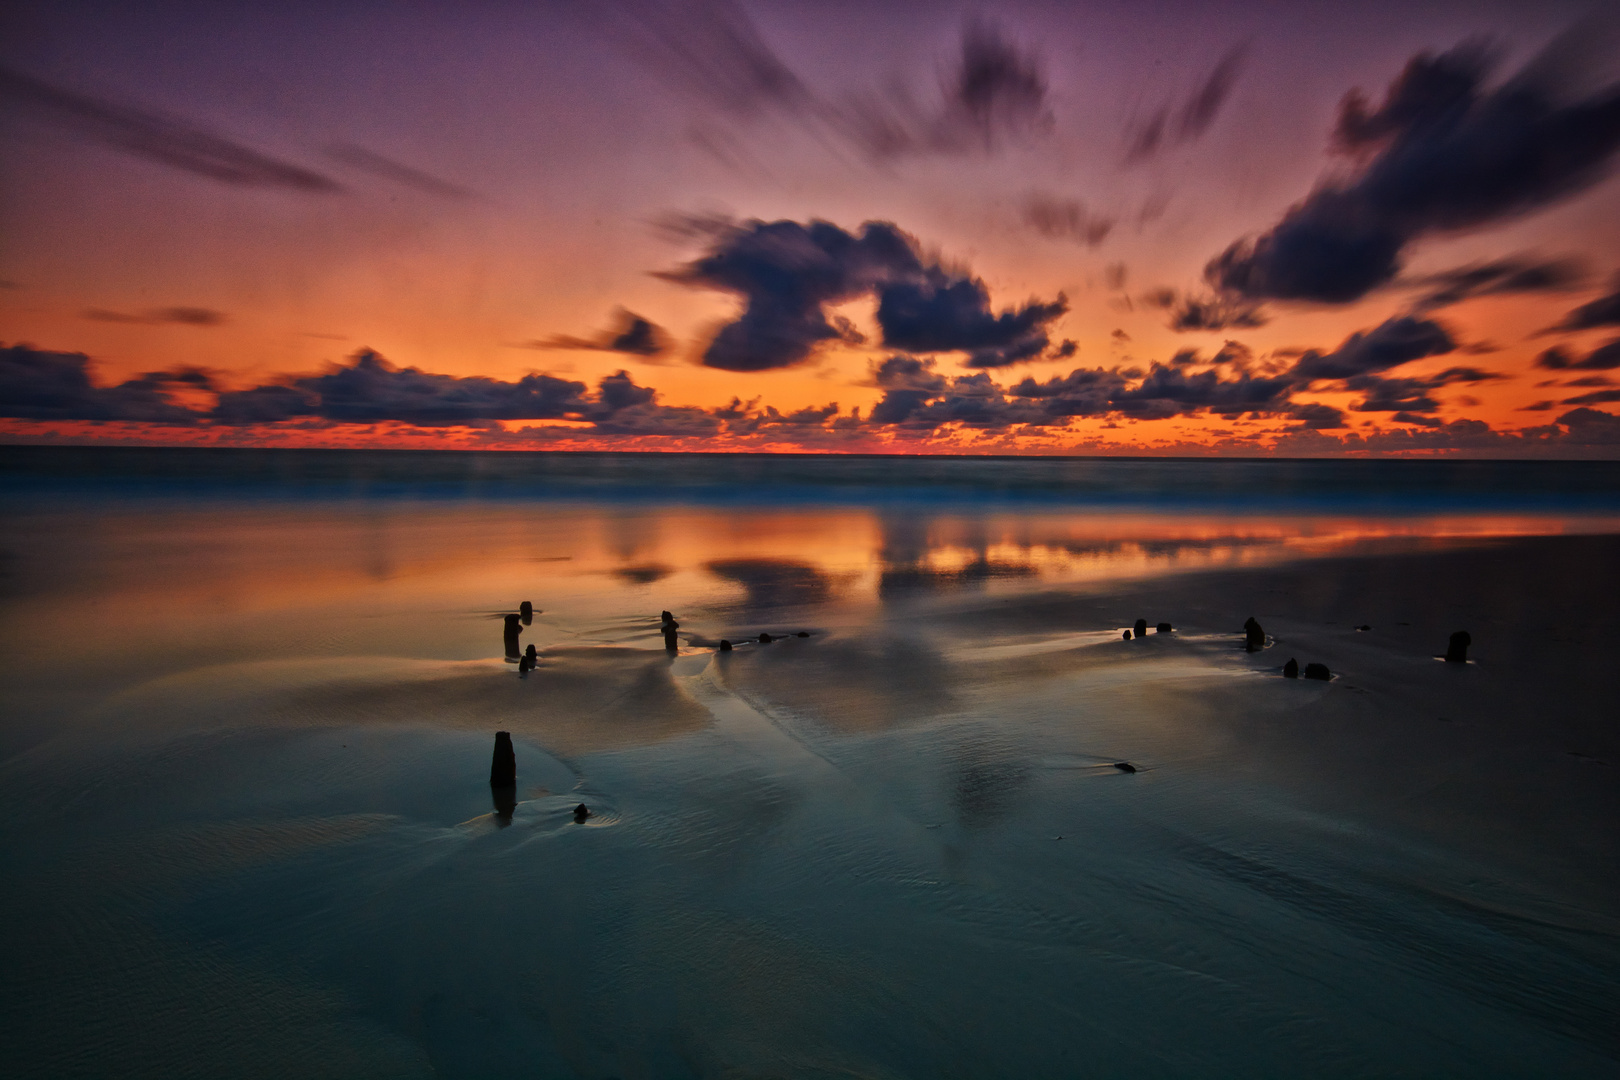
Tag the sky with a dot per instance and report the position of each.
(1262, 228)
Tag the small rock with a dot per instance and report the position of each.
(1124, 766)
(1127, 635)
(1141, 628)
(1318, 671)
(581, 812)
(1165, 628)
(802, 633)
(765, 639)
(525, 612)
(1291, 669)
(725, 646)
(1457, 650)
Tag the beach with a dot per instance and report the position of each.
(245, 792)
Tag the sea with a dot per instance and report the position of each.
(879, 777)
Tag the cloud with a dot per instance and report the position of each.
(1195, 115)
(165, 140)
(36, 385)
(1065, 219)
(995, 92)
(787, 274)
(1169, 390)
(184, 316)
(359, 157)
(1602, 358)
(1442, 153)
(1215, 313)
(946, 313)
(631, 334)
(712, 49)
(1604, 311)
(1597, 397)
(1317, 417)
(1516, 274)
(1392, 343)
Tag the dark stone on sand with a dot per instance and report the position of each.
(1165, 628)
(765, 639)
(1364, 628)
(1291, 669)
(1127, 635)
(802, 633)
(1457, 650)
(1124, 766)
(503, 770)
(526, 612)
(725, 646)
(581, 812)
(1318, 671)
(1254, 635)
(526, 664)
(1140, 628)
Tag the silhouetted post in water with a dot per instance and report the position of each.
(514, 627)
(1141, 628)
(503, 770)
(1457, 651)
(1291, 669)
(530, 661)
(1127, 635)
(1165, 628)
(725, 646)
(1318, 671)
(581, 812)
(1255, 637)
(670, 641)
(505, 802)
(526, 612)
(667, 622)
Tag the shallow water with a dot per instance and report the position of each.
(249, 719)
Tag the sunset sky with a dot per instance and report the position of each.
(1242, 228)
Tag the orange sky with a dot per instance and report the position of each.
(232, 192)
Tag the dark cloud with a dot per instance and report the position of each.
(1392, 343)
(1591, 427)
(36, 385)
(1193, 117)
(157, 138)
(371, 390)
(1442, 153)
(1597, 397)
(1392, 395)
(1169, 389)
(262, 405)
(359, 157)
(184, 316)
(997, 87)
(630, 334)
(788, 273)
(946, 313)
(1215, 313)
(1604, 311)
(1513, 275)
(1066, 219)
(1602, 358)
(1317, 417)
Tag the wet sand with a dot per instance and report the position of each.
(896, 847)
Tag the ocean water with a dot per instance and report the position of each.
(250, 700)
